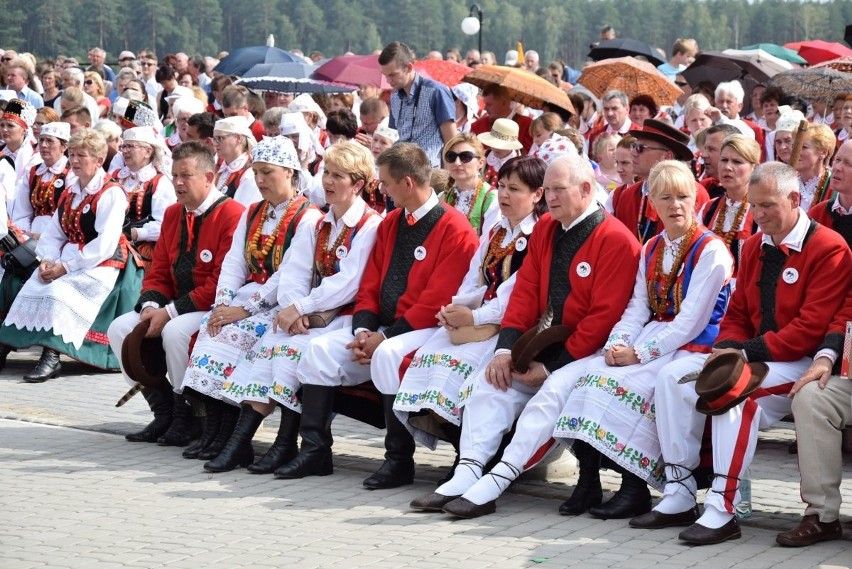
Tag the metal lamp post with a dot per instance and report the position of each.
(473, 23)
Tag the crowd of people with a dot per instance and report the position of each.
(647, 286)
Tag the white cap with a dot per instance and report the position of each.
(788, 119)
(235, 125)
(60, 130)
(385, 131)
(511, 57)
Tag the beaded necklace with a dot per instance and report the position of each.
(325, 256)
(70, 220)
(497, 254)
(373, 196)
(719, 226)
(253, 248)
(660, 300)
(451, 199)
(43, 194)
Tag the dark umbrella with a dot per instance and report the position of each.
(716, 67)
(289, 78)
(241, 60)
(621, 47)
(814, 84)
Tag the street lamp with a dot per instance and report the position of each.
(473, 24)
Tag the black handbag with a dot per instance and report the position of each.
(19, 258)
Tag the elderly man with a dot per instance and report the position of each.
(18, 75)
(655, 141)
(395, 313)
(728, 104)
(793, 278)
(531, 61)
(498, 105)
(822, 398)
(97, 59)
(180, 285)
(615, 112)
(574, 271)
(421, 110)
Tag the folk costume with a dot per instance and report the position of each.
(235, 179)
(572, 276)
(713, 187)
(182, 279)
(632, 206)
(833, 215)
(38, 194)
(816, 189)
(441, 367)
(399, 297)
(14, 165)
(680, 295)
(71, 313)
(479, 205)
(781, 324)
(733, 222)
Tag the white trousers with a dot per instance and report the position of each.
(490, 413)
(176, 336)
(327, 361)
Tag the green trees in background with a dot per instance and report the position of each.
(555, 28)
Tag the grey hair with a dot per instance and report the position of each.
(579, 169)
(732, 87)
(783, 176)
(616, 94)
(77, 74)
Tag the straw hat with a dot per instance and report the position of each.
(503, 135)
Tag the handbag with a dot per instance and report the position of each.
(467, 334)
(19, 258)
(322, 319)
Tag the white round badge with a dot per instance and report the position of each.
(584, 269)
(206, 256)
(341, 252)
(58, 184)
(87, 208)
(420, 253)
(521, 244)
(790, 276)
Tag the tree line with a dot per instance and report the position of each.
(555, 28)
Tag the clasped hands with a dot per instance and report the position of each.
(49, 270)
(223, 315)
(500, 374)
(363, 346)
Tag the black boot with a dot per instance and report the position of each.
(286, 445)
(160, 401)
(238, 451)
(587, 493)
(4, 353)
(632, 499)
(184, 428)
(315, 457)
(453, 433)
(398, 467)
(230, 415)
(48, 366)
(211, 419)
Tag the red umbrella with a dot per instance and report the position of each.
(353, 69)
(446, 72)
(817, 51)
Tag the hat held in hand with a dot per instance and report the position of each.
(727, 381)
(144, 359)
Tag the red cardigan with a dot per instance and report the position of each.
(805, 301)
(610, 258)
(483, 124)
(432, 281)
(197, 287)
(626, 200)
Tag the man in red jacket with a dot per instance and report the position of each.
(793, 278)
(498, 105)
(579, 272)
(180, 285)
(421, 255)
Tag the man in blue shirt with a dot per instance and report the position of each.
(17, 78)
(421, 110)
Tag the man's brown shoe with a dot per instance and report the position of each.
(809, 532)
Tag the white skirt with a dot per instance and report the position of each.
(271, 368)
(612, 409)
(439, 379)
(215, 358)
(68, 305)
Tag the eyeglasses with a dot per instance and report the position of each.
(89, 82)
(681, 83)
(148, 64)
(6, 58)
(465, 156)
(128, 147)
(640, 148)
(219, 138)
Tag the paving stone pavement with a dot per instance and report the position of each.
(76, 494)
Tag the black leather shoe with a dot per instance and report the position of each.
(697, 534)
(160, 401)
(587, 493)
(230, 415)
(306, 464)
(581, 500)
(809, 532)
(210, 418)
(632, 499)
(48, 367)
(238, 451)
(185, 428)
(464, 508)
(659, 520)
(284, 449)
(433, 502)
(4, 353)
(392, 474)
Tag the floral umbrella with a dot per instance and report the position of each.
(630, 75)
(524, 87)
(446, 72)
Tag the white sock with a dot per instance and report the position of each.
(713, 518)
(466, 474)
(493, 484)
(675, 504)
(679, 493)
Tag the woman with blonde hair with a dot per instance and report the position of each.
(814, 174)
(93, 85)
(603, 153)
(464, 158)
(730, 216)
(680, 295)
(344, 239)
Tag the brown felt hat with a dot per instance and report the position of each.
(675, 140)
(726, 381)
(532, 343)
(144, 359)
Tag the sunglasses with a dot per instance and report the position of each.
(6, 58)
(89, 82)
(640, 148)
(681, 83)
(465, 156)
(148, 64)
